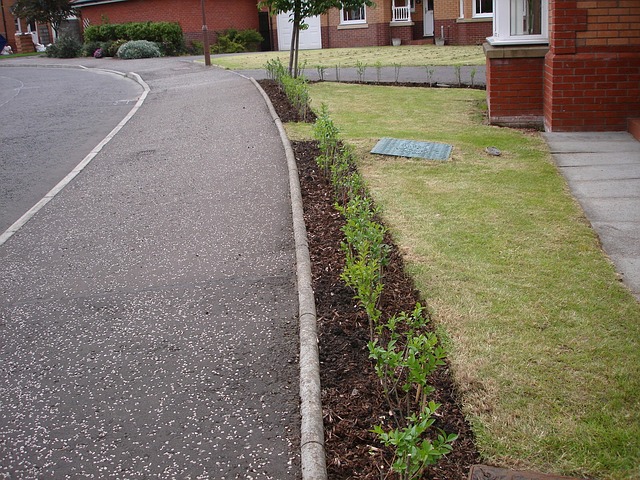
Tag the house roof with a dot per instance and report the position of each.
(90, 3)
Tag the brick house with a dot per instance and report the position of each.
(21, 35)
(461, 22)
(567, 65)
(220, 14)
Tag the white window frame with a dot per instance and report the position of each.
(502, 26)
(477, 14)
(353, 22)
(412, 4)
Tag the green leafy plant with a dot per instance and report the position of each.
(457, 69)
(378, 66)
(66, 46)
(167, 35)
(138, 49)
(430, 71)
(361, 68)
(397, 67)
(113, 47)
(236, 41)
(326, 133)
(413, 449)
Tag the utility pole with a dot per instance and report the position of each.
(205, 34)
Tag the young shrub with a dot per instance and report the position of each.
(138, 49)
(65, 47)
(195, 48)
(90, 48)
(251, 40)
(234, 41)
(113, 47)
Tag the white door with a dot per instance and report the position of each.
(310, 39)
(428, 18)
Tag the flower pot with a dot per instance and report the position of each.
(439, 42)
(396, 42)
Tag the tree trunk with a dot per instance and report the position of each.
(293, 52)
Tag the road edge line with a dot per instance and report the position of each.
(311, 429)
(18, 224)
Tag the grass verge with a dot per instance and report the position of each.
(17, 55)
(406, 56)
(545, 339)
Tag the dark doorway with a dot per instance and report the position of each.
(265, 30)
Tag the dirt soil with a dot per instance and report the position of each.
(352, 396)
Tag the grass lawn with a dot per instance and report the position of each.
(16, 55)
(406, 56)
(545, 341)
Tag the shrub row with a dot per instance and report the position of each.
(404, 352)
(168, 35)
(296, 89)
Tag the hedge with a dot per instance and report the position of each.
(168, 35)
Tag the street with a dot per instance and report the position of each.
(148, 312)
(51, 119)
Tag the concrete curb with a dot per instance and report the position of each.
(312, 430)
(18, 224)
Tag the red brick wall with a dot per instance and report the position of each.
(374, 34)
(221, 14)
(515, 91)
(464, 33)
(591, 91)
(592, 70)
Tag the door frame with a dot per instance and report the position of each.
(427, 18)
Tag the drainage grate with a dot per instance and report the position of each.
(413, 149)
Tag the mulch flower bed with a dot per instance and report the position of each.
(352, 397)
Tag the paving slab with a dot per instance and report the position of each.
(603, 173)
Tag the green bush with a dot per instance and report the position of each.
(112, 48)
(65, 47)
(89, 48)
(139, 49)
(168, 35)
(234, 41)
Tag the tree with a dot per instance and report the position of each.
(301, 10)
(44, 11)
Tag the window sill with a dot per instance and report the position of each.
(515, 51)
(401, 24)
(351, 26)
(475, 19)
(508, 42)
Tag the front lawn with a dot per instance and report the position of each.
(406, 56)
(545, 341)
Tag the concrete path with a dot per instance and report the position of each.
(603, 173)
(148, 312)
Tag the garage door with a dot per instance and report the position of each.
(311, 38)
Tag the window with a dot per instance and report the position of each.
(482, 8)
(520, 22)
(353, 15)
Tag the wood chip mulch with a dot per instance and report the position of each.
(351, 393)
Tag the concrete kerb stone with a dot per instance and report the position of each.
(313, 458)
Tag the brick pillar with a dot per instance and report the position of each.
(515, 85)
(592, 69)
(24, 43)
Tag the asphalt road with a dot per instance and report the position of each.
(148, 312)
(51, 119)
